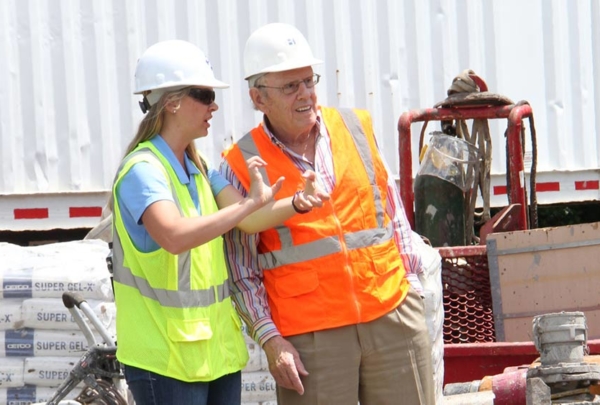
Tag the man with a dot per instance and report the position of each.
(325, 294)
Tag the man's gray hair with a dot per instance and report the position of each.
(253, 79)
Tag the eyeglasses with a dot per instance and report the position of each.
(292, 87)
(204, 96)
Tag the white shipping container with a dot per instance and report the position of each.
(67, 109)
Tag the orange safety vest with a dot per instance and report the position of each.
(337, 265)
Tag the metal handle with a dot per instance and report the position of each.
(71, 299)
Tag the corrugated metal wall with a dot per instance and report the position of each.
(66, 68)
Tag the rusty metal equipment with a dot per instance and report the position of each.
(514, 113)
(465, 274)
(562, 375)
(566, 372)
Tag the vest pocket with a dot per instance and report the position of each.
(189, 330)
(388, 277)
(295, 284)
(385, 258)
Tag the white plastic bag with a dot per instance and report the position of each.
(431, 279)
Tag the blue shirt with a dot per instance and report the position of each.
(145, 184)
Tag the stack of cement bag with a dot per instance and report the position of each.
(39, 341)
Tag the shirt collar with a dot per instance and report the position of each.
(266, 127)
(167, 152)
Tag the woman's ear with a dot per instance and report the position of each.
(172, 106)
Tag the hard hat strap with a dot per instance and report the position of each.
(145, 105)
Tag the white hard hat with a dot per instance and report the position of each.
(275, 48)
(174, 64)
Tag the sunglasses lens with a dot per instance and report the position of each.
(203, 96)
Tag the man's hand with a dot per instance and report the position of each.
(313, 195)
(285, 364)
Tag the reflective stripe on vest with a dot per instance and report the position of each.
(360, 140)
(184, 297)
(290, 253)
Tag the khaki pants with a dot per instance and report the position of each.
(383, 362)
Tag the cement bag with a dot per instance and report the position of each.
(254, 362)
(12, 255)
(11, 373)
(31, 342)
(31, 395)
(48, 371)
(50, 313)
(10, 314)
(431, 279)
(103, 230)
(46, 271)
(258, 358)
(258, 386)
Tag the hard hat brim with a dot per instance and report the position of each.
(285, 66)
(215, 84)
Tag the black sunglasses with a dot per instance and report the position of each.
(204, 96)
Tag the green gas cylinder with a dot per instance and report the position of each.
(439, 211)
(441, 187)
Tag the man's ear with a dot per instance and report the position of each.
(258, 99)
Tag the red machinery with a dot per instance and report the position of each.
(465, 275)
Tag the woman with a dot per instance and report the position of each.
(179, 336)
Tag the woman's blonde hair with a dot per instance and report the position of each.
(151, 126)
(152, 123)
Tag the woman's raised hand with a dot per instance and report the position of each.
(259, 191)
(312, 196)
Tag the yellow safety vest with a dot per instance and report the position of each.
(174, 313)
